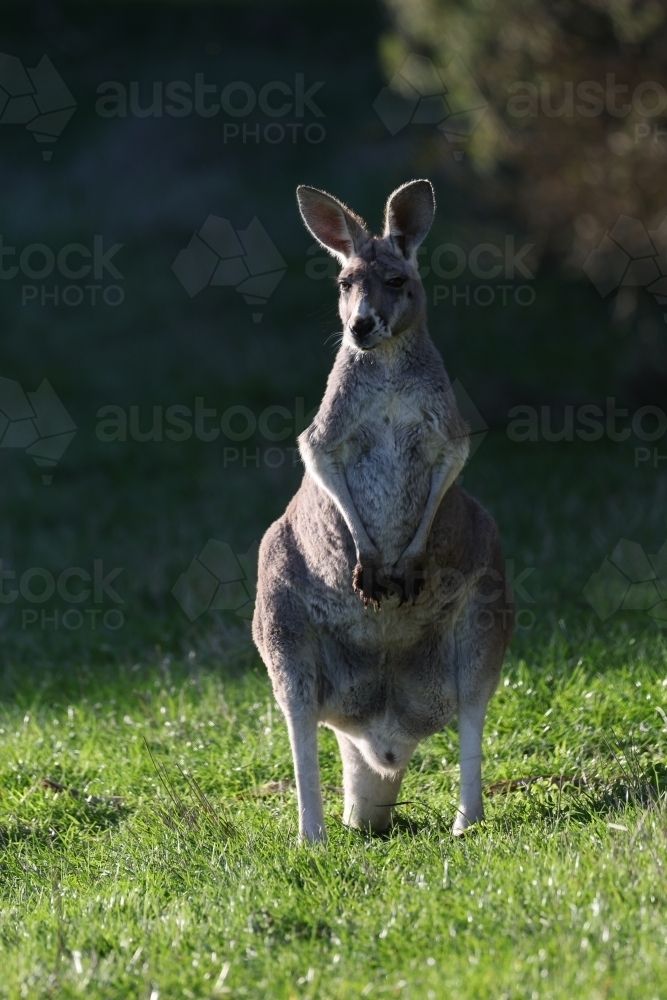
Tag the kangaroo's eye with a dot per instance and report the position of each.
(344, 286)
(395, 282)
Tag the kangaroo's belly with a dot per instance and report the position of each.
(386, 703)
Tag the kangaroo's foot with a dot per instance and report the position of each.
(464, 821)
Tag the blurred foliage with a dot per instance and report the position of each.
(559, 150)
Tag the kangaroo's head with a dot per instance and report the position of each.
(381, 293)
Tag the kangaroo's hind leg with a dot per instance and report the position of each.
(293, 674)
(481, 641)
(288, 648)
(302, 728)
(293, 677)
(369, 797)
(471, 726)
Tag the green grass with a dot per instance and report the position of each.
(561, 893)
(182, 877)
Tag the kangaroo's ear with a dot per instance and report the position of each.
(331, 223)
(409, 214)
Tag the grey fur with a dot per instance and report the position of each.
(382, 607)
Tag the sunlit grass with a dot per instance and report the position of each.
(191, 883)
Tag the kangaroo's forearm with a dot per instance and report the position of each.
(442, 478)
(329, 475)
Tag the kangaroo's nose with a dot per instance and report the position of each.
(363, 325)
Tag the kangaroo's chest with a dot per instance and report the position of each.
(394, 428)
(388, 457)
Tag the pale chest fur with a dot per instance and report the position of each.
(388, 457)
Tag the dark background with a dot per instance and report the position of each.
(150, 183)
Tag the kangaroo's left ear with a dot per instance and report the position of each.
(409, 214)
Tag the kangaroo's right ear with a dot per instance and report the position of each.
(409, 214)
(331, 223)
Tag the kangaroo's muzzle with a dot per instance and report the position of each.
(368, 329)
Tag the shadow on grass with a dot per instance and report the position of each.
(402, 823)
(587, 799)
(287, 927)
(59, 827)
(106, 672)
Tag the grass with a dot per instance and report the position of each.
(160, 859)
(193, 885)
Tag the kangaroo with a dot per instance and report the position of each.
(382, 607)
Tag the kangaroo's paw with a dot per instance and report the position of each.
(365, 584)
